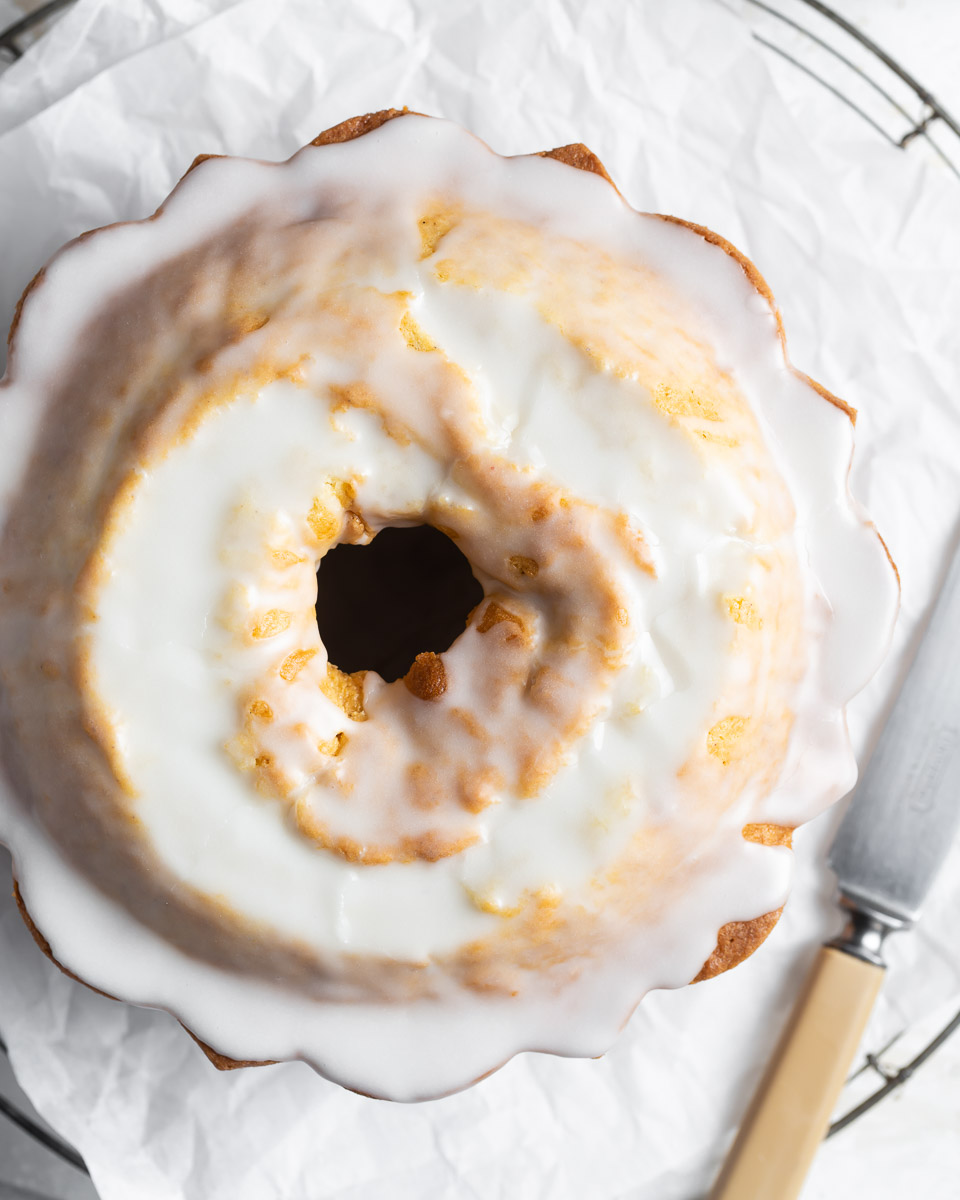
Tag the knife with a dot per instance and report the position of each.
(886, 853)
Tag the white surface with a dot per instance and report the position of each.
(858, 245)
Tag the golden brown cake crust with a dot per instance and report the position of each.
(577, 155)
(356, 127)
(737, 940)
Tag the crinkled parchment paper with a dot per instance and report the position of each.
(861, 245)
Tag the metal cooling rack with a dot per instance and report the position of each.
(808, 37)
(826, 48)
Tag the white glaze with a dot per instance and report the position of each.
(570, 430)
(276, 446)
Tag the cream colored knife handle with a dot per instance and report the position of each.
(790, 1113)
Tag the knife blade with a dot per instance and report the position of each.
(906, 809)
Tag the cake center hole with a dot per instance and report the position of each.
(379, 606)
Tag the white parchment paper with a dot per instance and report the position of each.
(861, 244)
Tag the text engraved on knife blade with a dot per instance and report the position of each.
(926, 773)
